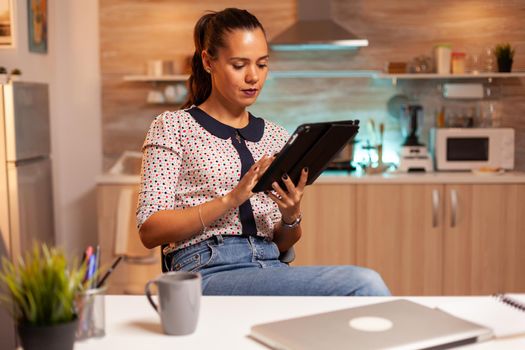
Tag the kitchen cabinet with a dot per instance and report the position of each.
(483, 243)
(328, 226)
(398, 235)
(118, 235)
(424, 239)
(514, 240)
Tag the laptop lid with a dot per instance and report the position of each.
(398, 324)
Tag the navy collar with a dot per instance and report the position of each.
(251, 132)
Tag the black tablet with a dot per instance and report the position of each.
(311, 145)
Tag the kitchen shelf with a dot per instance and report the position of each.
(434, 76)
(449, 76)
(324, 74)
(338, 74)
(165, 103)
(154, 78)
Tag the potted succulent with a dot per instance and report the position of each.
(40, 291)
(15, 74)
(504, 55)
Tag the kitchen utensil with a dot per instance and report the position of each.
(170, 93)
(394, 104)
(343, 159)
(380, 145)
(414, 155)
(155, 96)
(411, 121)
(372, 131)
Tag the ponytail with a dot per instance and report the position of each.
(208, 35)
(199, 83)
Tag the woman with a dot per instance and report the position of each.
(199, 169)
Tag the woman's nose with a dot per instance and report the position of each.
(251, 75)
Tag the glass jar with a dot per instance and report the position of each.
(488, 60)
(458, 63)
(473, 64)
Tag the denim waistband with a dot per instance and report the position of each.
(217, 240)
(222, 252)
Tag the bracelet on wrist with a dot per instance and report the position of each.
(294, 224)
(200, 217)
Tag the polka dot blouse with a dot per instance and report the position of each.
(191, 158)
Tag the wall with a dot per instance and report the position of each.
(133, 32)
(71, 68)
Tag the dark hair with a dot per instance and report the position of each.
(208, 35)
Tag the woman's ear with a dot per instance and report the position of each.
(206, 61)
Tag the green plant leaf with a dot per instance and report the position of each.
(41, 287)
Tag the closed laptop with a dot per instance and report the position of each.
(398, 324)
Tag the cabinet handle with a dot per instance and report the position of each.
(454, 207)
(435, 208)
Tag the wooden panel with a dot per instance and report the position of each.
(474, 254)
(135, 31)
(129, 277)
(514, 241)
(328, 226)
(396, 237)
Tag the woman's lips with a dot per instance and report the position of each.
(249, 92)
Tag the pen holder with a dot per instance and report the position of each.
(91, 314)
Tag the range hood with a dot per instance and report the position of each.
(315, 30)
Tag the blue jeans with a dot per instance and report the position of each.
(234, 265)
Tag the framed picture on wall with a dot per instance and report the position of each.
(37, 25)
(6, 24)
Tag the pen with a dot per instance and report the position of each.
(91, 270)
(86, 258)
(97, 267)
(109, 271)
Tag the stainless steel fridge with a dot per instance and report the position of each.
(26, 190)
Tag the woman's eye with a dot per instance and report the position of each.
(237, 67)
(263, 65)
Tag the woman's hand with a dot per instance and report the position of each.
(289, 202)
(243, 191)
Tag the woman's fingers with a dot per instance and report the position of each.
(275, 199)
(284, 197)
(289, 184)
(303, 179)
(258, 163)
(265, 165)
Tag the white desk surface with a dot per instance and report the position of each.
(224, 322)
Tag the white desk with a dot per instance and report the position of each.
(225, 322)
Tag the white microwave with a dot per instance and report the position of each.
(472, 148)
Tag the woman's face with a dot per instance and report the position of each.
(240, 68)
